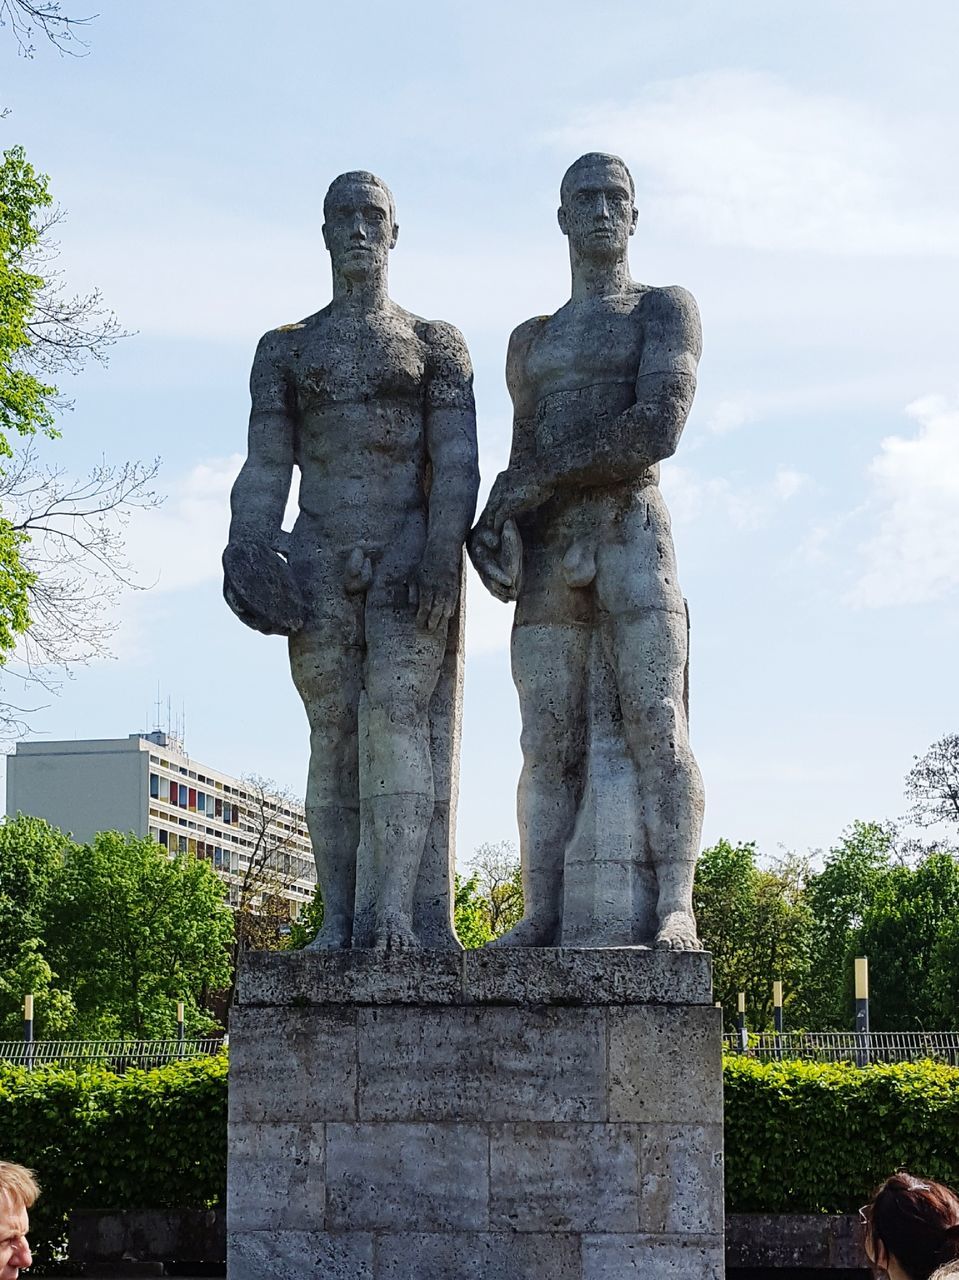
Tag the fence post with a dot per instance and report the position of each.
(741, 1022)
(862, 1011)
(28, 1029)
(180, 1027)
(778, 1016)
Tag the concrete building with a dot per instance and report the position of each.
(148, 785)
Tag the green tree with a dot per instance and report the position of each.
(307, 924)
(31, 853)
(756, 923)
(499, 883)
(471, 917)
(838, 898)
(136, 930)
(908, 933)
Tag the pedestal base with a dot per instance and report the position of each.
(493, 1115)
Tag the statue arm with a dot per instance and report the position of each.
(260, 492)
(497, 552)
(452, 451)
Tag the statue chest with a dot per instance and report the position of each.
(358, 363)
(580, 347)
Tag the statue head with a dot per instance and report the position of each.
(597, 209)
(359, 224)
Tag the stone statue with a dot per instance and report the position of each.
(576, 532)
(375, 408)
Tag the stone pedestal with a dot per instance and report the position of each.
(492, 1115)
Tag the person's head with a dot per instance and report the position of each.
(18, 1193)
(359, 224)
(911, 1227)
(597, 206)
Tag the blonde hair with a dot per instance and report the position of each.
(19, 1184)
(949, 1272)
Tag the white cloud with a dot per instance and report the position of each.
(912, 556)
(746, 507)
(743, 158)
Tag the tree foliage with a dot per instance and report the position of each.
(61, 539)
(107, 935)
(756, 923)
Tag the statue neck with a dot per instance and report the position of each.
(370, 294)
(597, 278)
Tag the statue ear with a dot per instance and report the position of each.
(635, 219)
(396, 235)
(562, 220)
(326, 239)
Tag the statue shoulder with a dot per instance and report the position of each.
(524, 335)
(673, 310)
(444, 340)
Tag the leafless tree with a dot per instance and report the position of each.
(45, 18)
(933, 784)
(262, 910)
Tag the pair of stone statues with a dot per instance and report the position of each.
(375, 407)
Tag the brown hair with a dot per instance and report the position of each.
(19, 1184)
(917, 1222)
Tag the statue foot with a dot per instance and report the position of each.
(530, 932)
(395, 933)
(678, 933)
(334, 934)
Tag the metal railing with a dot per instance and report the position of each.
(850, 1046)
(116, 1054)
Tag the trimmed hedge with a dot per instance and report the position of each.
(813, 1137)
(97, 1140)
(801, 1137)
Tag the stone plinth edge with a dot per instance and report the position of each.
(507, 976)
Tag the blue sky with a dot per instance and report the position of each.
(793, 169)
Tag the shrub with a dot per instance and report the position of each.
(97, 1140)
(812, 1137)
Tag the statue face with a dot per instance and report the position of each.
(597, 212)
(359, 230)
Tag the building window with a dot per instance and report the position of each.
(155, 786)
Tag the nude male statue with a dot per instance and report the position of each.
(576, 531)
(375, 407)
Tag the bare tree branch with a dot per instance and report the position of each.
(27, 18)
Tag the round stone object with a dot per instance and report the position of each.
(260, 588)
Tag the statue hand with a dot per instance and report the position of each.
(497, 558)
(435, 590)
(514, 492)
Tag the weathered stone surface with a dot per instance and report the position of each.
(477, 1256)
(665, 1062)
(589, 976)
(296, 1255)
(275, 1076)
(792, 1240)
(576, 531)
(564, 1177)
(354, 977)
(374, 405)
(681, 1187)
(391, 1177)
(482, 1064)
(106, 1239)
(277, 1176)
(511, 976)
(646, 1257)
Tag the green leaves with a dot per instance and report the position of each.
(145, 1139)
(108, 936)
(810, 1137)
